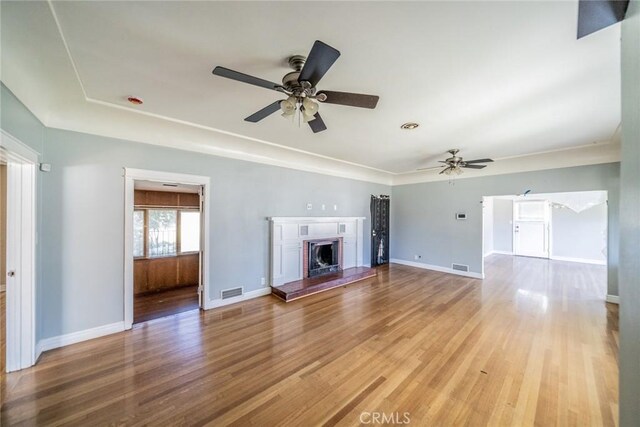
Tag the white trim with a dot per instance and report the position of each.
(244, 297)
(76, 337)
(130, 175)
(582, 155)
(437, 268)
(501, 253)
(581, 260)
(17, 147)
(613, 299)
(298, 219)
(21, 247)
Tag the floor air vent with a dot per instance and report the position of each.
(230, 293)
(460, 267)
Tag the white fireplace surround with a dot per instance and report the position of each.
(287, 235)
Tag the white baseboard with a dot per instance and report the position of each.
(581, 260)
(215, 303)
(613, 299)
(76, 337)
(501, 252)
(437, 268)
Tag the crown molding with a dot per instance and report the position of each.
(604, 152)
(80, 113)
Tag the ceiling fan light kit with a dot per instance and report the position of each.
(300, 88)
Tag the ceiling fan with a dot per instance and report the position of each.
(454, 164)
(300, 86)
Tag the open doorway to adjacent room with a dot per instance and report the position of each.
(167, 249)
(570, 227)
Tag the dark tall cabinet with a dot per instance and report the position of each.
(379, 230)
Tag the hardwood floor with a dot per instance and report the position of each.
(154, 305)
(534, 343)
(3, 343)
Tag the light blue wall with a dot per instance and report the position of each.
(16, 119)
(630, 221)
(502, 225)
(580, 235)
(83, 221)
(423, 215)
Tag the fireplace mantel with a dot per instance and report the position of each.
(288, 234)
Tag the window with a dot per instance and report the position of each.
(138, 233)
(155, 232)
(162, 237)
(189, 231)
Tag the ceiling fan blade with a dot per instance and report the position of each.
(266, 111)
(350, 99)
(320, 59)
(245, 78)
(474, 166)
(596, 15)
(479, 161)
(443, 171)
(317, 125)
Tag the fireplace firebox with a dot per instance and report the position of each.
(323, 257)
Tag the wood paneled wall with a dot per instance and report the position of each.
(157, 274)
(164, 199)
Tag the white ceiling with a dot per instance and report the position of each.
(495, 79)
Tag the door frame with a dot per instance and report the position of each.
(547, 235)
(130, 176)
(22, 162)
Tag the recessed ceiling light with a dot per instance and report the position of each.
(134, 100)
(409, 126)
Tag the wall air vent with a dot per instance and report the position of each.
(460, 267)
(230, 293)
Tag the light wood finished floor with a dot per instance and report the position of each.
(534, 343)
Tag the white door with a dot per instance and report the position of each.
(531, 228)
(20, 281)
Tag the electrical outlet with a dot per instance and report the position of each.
(309, 206)
(335, 207)
(263, 281)
(416, 257)
(322, 207)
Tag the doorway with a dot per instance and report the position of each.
(568, 227)
(166, 249)
(166, 244)
(18, 276)
(531, 228)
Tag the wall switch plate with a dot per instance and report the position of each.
(322, 207)
(309, 206)
(335, 207)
